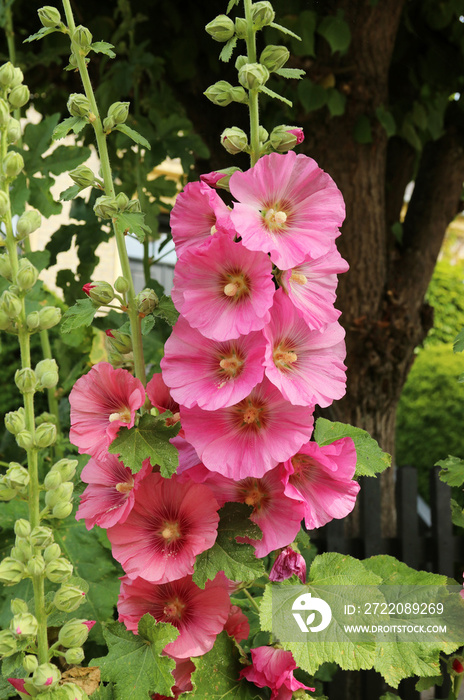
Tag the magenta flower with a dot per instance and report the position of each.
(237, 625)
(287, 564)
(251, 437)
(160, 397)
(273, 668)
(183, 679)
(198, 614)
(102, 401)
(288, 207)
(197, 214)
(209, 373)
(109, 497)
(223, 290)
(311, 287)
(306, 366)
(322, 477)
(170, 523)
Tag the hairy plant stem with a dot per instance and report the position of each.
(251, 599)
(253, 103)
(135, 321)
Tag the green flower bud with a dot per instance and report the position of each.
(11, 571)
(33, 321)
(122, 200)
(45, 435)
(6, 74)
(241, 27)
(62, 494)
(12, 164)
(22, 528)
(133, 206)
(36, 565)
(68, 598)
(24, 625)
(28, 222)
(234, 140)
(30, 663)
(49, 316)
(253, 75)
(146, 301)
(45, 418)
(119, 341)
(119, 111)
(4, 209)
(52, 481)
(220, 178)
(28, 274)
(106, 207)
(52, 552)
(240, 61)
(7, 492)
(5, 321)
(49, 16)
(262, 14)
(41, 536)
(99, 292)
(263, 134)
(13, 130)
(274, 57)
(25, 380)
(74, 633)
(18, 606)
(17, 477)
(25, 440)
(4, 112)
(221, 28)
(78, 105)
(61, 510)
(19, 96)
(5, 264)
(71, 691)
(82, 176)
(83, 38)
(46, 676)
(47, 373)
(10, 304)
(66, 468)
(74, 655)
(108, 124)
(17, 78)
(22, 551)
(8, 643)
(283, 137)
(223, 93)
(15, 421)
(121, 285)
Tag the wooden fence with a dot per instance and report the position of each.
(430, 548)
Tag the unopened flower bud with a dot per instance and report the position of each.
(30, 663)
(25, 440)
(8, 643)
(66, 468)
(52, 552)
(22, 528)
(133, 206)
(457, 666)
(47, 373)
(52, 481)
(241, 27)
(4, 209)
(263, 134)
(223, 93)
(28, 222)
(19, 96)
(253, 75)
(46, 676)
(25, 380)
(262, 14)
(78, 105)
(24, 625)
(36, 565)
(45, 435)
(287, 564)
(119, 111)
(234, 140)
(49, 16)
(22, 551)
(106, 207)
(122, 201)
(28, 274)
(15, 421)
(283, 137)
(62, 494)
(61, 510)
(11, 571)
(240, 61)
(4, 112)
(121, 285)
(146, 301)
(59, 570)
(274, 57)
(74, 655)
(17, 477)
(7, 492)
(6, 74)
(10, 304)
(33, 320)
(83, 39)
(75, 632)
(221, 28)
(5, 321)
(82, 176)
(13, 130)
(41, 536)
(68, 598)
(219, 178)
(108, 124)
(99, 292)
(49, 316)
(18, 606)
(119, 341)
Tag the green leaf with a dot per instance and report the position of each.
(409, 133)
(81, 314)
(104, 692)
(295, 73)
(275, 95)
(149, 439)
(231, 4)
(147, 324)
(132, 222)
(397, 230)
(133, 134)
(166, 310)
(41, 198)
(387, 120)
(75, 124)
(370, 458)
(285, 30)
(228, 49)
(134, 662)
(336, 102)
(458, 344)
(103, 47)
(452, 470)
(457, 513)
(426, 683)
(237, 561)
(362, 132)
(70, 193)
(19, 194)
(40, 34)
(311, 96)
(66, 158)
(336, 32)
(38, 137)
(39, 258)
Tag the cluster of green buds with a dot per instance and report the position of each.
(117, 114)
(107, 207)
(59, 492)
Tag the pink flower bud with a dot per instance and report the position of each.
(89, 624)
(288, 563)
(18, 684)
(457, 666)
(87, 287)
(298, 133)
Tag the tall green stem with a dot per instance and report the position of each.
(135, 321)
(253, 103)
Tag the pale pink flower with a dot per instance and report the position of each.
(288, 207)
(109, 497)
(288, 563)
(183, 679)
(209, 373)
(223, 290)
(198, 614)
(311, 287)
(102, 401)
(322, 477)
(197, 214)
(237, 625)
(251, 437)
(306, 366)
(170, 523)
(273, 668)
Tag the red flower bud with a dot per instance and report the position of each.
(457, 666)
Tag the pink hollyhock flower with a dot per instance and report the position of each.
(102, 401)
(288, 207)
(322, 477)
(109, 497)
(160, 397)
(183, 679)
(287, 564)
(237, 625)
(252, 436)
(209, 373)
(273, 668)
(170, 523)
(198, 614)
(18, 684)
(197, 214)
(311, 287)
(307, 366)
(223, 290)
(461, 593)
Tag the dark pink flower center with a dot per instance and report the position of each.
(253, 493)
(250, 414)
(173, 610)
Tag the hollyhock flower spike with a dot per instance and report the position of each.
(170, 523)
(109, 497)
(306, 366)
(288, 207)
(288, 563)
(198, 614)
(273, 668)
(102, 401)
(251, 437)
(209, 373)
(322, 477)
(223, 290)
